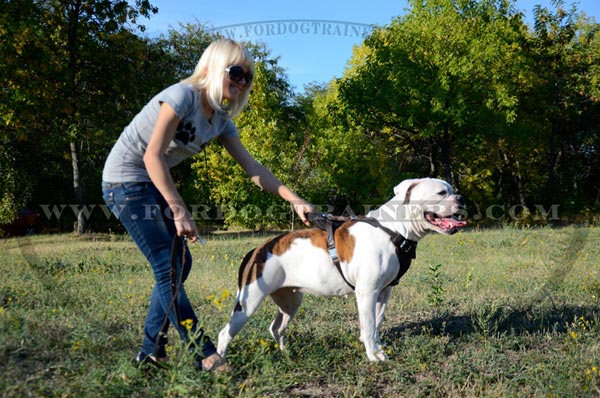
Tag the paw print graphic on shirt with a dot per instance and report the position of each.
(186, 133)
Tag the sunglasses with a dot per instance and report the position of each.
(236, 73)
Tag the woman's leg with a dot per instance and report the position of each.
(144, 213)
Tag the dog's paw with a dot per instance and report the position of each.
(377, 356)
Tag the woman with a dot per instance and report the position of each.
(140, 191)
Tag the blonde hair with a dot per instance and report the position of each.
(210, 71)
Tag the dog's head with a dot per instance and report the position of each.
(430, 205)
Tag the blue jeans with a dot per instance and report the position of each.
(146, 216)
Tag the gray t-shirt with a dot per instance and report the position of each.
(125, 163)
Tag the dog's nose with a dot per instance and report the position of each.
(460, 200)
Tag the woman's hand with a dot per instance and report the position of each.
(184, 222)
(302, 207)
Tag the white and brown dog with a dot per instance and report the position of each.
(369, 257)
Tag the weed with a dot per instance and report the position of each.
(489, 318)
(436, 296)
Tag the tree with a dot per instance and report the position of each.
(19, 34)
(71, 76)
(440, 78)
(87, 39)
(564, 104)
(351, 165)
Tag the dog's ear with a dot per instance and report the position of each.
(404, 189)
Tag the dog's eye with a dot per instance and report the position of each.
(443, 193)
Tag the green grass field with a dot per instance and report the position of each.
(499, 313)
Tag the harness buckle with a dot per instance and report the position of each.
(405, 246)
(333, 254)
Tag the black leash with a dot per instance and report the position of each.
(177, 248)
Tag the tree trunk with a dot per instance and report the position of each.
(78, 188)
(73, 14)
(446, 147)
(433, 167)
(517, 178)
(554, 155)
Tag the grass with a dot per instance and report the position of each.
(501, 313)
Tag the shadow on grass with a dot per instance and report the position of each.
(498, 320)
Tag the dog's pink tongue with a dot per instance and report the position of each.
(447, 223)
(451, 223)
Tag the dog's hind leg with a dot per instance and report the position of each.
(288, 300)
(246, 303)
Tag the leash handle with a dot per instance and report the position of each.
(329, 217)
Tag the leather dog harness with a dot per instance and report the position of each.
(406, 249)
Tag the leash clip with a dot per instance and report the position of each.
(199, 239)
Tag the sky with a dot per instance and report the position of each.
(314, 39)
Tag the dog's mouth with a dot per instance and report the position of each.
(446, 225)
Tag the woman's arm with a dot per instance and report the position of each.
(264, 178)
(163, 134)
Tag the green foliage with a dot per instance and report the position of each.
(72, 74)
(464, 90)
(437, 79)
(563, 54)
(345, 154)
(458, 89)
(14, 191)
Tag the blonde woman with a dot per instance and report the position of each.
(138, 187)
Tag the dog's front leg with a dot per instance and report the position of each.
(367, 302)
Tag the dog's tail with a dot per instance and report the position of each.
(243, 265)
(254, 261)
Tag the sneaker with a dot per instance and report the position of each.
(145, 361)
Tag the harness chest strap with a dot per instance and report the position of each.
(406, 250)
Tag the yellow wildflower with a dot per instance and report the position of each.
(187, 324)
